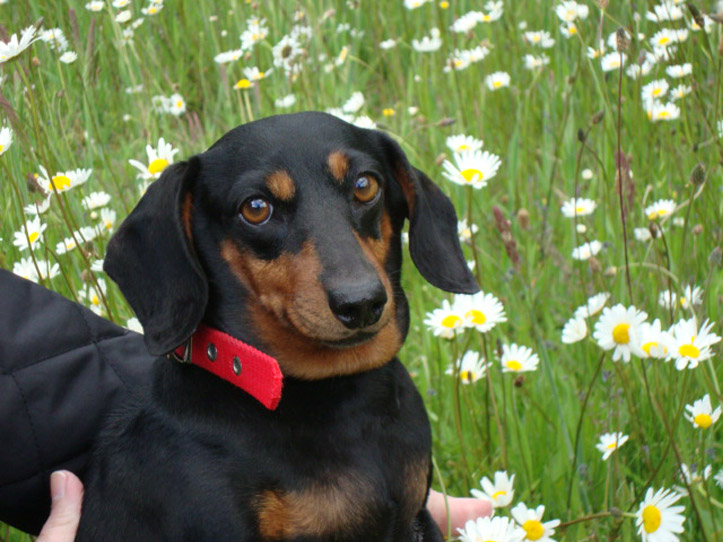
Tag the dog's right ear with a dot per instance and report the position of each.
(152, 259)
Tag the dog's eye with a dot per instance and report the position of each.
(256, 211)
(365, 189)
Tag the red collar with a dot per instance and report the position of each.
(241, 364)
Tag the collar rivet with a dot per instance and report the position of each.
(236, 365)
(211, 352)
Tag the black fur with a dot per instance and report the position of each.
(193, 461)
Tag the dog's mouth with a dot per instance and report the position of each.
(355, 340)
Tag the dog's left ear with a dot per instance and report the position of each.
(152, 259)
(433, 240)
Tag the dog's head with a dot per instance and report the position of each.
(286, 234)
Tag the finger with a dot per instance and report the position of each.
(66, 492)
(459, 510)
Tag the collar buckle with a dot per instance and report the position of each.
(185, 356)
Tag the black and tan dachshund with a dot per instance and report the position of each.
(286, 236)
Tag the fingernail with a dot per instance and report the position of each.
(58, 481)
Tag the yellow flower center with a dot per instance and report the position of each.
(158, 165)
(33, 236)
(179, 104)
(689, 351)
(655, 347)
(621, 333)
(471, 175)
(651, 519)
(60, 182)
(579, 209)
(612, 446)
(476, 316)
(534, 529)
(486, 18)
(664, 40)
(535, 38)
(463, 147)
(451, 321)
(683, 301)
(388, 112)
(663, 115)
(514, 365)
(467, 376)
(704, 421)
(261, 75)
(444, 5)
(95, 300)
(497, 84)
(498, 494)
(152, 11)
(657, 91)
(243, 84)
(572, 29)
(1, 149)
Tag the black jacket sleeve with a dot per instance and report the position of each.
(61, 369)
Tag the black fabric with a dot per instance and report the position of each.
(61, 369)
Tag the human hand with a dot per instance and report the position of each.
(66, 492)
(461, 510)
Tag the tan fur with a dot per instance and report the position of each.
(291, 313)
(319, 511)
(281, 185)
(407, 186)
(186, 215)
(338, 165)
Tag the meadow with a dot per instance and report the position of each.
(589, 184)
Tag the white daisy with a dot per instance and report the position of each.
(497, 80)
(569, 11)
(55, 38)
(664, 111)
(719, 479)
(66, 245)
(461, 143)
(354, 103)
(481, 311)
(254, 74)
(681, 91)
(95, 5)
(14, 46)
(464, 231)
(642, 234)
(107, 219)
(533, 62)
(657, 519)
(472, 168)
(30, 235)
(159, 158)
(654, 90)
(228, 56)
(578, 207)
(677, 71)
(531, 521)
(256, 31)
(690, 345)
(701, 413)
(500, 493)
(284, 102)
(68, 57)
(470, 368)
(26, 268)
(660, 209)
(429, 43)
(134, 324)
(446, 321)
(466, 23)
(6, 139)
(666, 11)
(539, 38)
(574, 330)
(387, 44)
(96, 200)
(654, 342)
(35, 209)
(593, 305)
(489, 529)
(664, 38)
(612, 61)
(618, 329)
(94, 295)
(609, 443)
(694, 476)
(62, 181)
(586, 250)
(518, 359)
(152, 9)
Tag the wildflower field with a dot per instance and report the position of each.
(581, 144)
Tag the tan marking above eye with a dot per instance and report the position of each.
(366, 188)
(338, 165)
(255, 210)
(281, 185)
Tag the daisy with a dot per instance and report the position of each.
(6, 139)
(285, 102)
(30, 235)
(574, 330)
(568, 30)
(594, 304)
(55, 38)
(121, 3)
(578, 207)
(719, 479)
(446, 321)
(619, 328)
(660, 209)
(481, 311)
(690, 345)
(692, 295)
(153, 9)
(254, 74)
(664, 38)
(465, 232)
(473, 168)
(107, 219)
(586, 250)
(26, 268)
(414, 4)
(655, 342)
(692, 476)
(228, 56)
(533, 62)
(285, 54)
(94, 295)
(593, 53)
(491, 530)
(612, 61)
(642, 234)
(681, 91)
(65, 246)
(38, 208)
(655, 90)
(667, 111)
(494, 12)
(609, 443)
(243, 84)
(159, 158)
(540, 38)
(518, 359)
(96, 200)
(666, 11)
(471, 368)
(569, 11)
(95, 5)
(657, 519)
(62, 181)
(466, 23)
(497, 80)
(461, 143)
(501, 492)
(429, 43)
(387, 44)
(134, 324)
(14, 46)
(68, 57)
(701, 413)
(256, 31)
(176, 105)
(677, 71)
(354, 103)
(531, 521)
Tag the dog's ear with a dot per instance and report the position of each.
(152, 259)
(433, 240)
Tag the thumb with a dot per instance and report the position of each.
(66, 491)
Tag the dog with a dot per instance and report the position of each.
(282, 241)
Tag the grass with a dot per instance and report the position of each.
(548, 126)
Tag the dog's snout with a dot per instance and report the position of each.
(358, 306)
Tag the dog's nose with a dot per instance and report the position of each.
(358, 306)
